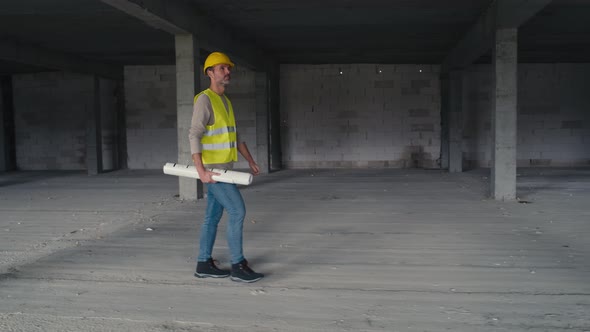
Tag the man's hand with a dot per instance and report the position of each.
(207, 176)
(243, 148)
(254, 168)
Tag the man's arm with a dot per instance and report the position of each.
(202, 116)
(243, 148)
(205, 175)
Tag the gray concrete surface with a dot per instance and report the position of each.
(343, 250)
(504, 133)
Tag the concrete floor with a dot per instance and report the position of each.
(343, 250)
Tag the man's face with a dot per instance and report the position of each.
(220, 74)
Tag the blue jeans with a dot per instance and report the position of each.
(223, 196)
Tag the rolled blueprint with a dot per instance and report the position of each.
(225, 175)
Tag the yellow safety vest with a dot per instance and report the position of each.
(219, 141)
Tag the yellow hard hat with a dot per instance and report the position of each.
(216, 58)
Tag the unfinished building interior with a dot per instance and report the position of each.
(426, 115)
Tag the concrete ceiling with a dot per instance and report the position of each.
(71, 34)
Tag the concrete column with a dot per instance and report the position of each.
(262, 108)
(3, 136)
(503, 177)
(456, 121)
(7, 127)
(120, 127)
(94, 133)
(274, 122)
(444, 120)
(187, 86)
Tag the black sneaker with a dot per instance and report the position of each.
(208, 269)
(242, 273)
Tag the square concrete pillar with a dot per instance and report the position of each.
(262, 121)
(187, 86)
(456, 121)
(3, 135)
(274, 117)
(121, 127)
(503, 177)
(7, 126)
(444, 120)
(94, 132)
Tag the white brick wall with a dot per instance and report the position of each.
(150, 99)
(50, 120)
(368, 116)
(150, 104)
(553, 115)
(361, 118)
(51, 112)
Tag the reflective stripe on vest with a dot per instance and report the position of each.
(220, 131)
(219, 140)
(219, 146)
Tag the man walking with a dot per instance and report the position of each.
(214, 144)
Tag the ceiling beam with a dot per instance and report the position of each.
(36, 56)
(177, 17)
(514, 13)
(146, 15)
(479, 39)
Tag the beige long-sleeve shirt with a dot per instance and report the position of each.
(204, 116)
